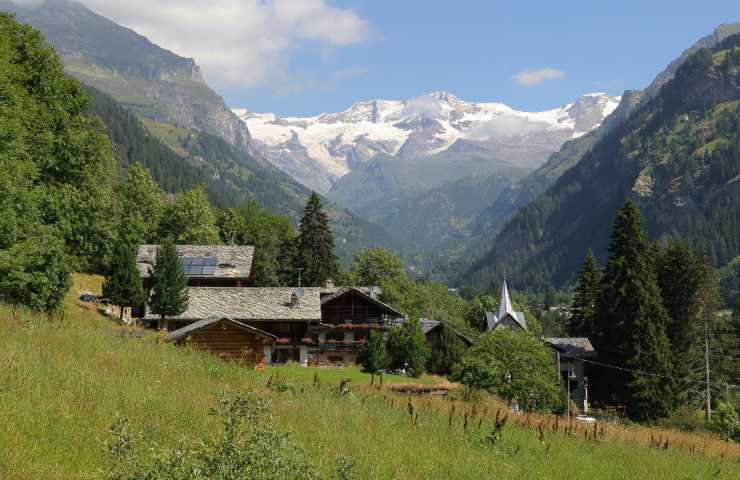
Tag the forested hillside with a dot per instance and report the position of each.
(678, 157)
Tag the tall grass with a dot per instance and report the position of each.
(65, 379)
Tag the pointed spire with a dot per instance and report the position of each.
(504, 305)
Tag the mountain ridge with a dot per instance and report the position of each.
(319, 150)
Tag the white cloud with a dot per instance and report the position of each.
(532, 78)
(239, 43)
(425, 106)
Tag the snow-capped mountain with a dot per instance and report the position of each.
(319, 150)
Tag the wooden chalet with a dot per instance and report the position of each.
(433, 330)
(313, 325)
(226, 338)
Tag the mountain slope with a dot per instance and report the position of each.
(677, 156)
(572, 151)
(199, 139)
(145, 78)
(318, 150)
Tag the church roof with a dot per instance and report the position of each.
(505, 309)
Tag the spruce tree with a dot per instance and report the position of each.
(583, 308)
(447, 353)
(169, 291)
(416, 348)
(374, 356)
(123, 285)
(631, 323)
(316, 245)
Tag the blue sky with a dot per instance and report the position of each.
(474, 48)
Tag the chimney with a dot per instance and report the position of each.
(329, 283)
(295, 297)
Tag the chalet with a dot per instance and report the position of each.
(570, 354)
(433, 329)
(226, 338)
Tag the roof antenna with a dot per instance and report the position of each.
(299, 276)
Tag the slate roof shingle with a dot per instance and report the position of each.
(573, 346)
(195, 326)
(249, 303)
(234, 261)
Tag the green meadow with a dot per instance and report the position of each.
(65, 379)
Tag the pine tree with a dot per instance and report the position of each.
(416, 347)
(631, 323)
(123, 285)
(447, 353)
(169, 291)
(316, 245)
(680, 290)
(374, 356)
(583, 308)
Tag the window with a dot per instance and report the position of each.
(336, 336)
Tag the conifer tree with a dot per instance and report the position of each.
(123, 285)
(316, 245)
(631, 323)
(447, 353)
(374, 356)
(169, 291)
(583, 308)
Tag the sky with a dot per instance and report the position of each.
(305, 57)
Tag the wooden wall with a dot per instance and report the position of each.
(228, 341)
(351, 308)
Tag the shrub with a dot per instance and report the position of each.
(512, 365)
(249, 447)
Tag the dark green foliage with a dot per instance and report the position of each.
(447, 353)
(133, 144)
(374, 357)
(35, 272)
(374, 266)
(631, 323)
(316, 245)
(583, 308)
(475, 311)
(249, 446)
(675, 156)
(169, 296)
(408, 347)
(273, 237)
(514, 366)
(54, 174)
(122, 284)
(141, 206)
(190, 219)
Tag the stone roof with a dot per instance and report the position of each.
(572, 346)
(258, 303)
(249, 303)
(234, 261)
(187, 330)
(429, 325)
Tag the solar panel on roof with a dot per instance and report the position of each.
(199, 265)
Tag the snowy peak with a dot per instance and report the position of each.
(319, 150)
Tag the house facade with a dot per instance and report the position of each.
(310, 325)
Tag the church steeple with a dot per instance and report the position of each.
(504, 304)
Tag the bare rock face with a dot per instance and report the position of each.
(152, 81)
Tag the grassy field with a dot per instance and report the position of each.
(65, 379)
